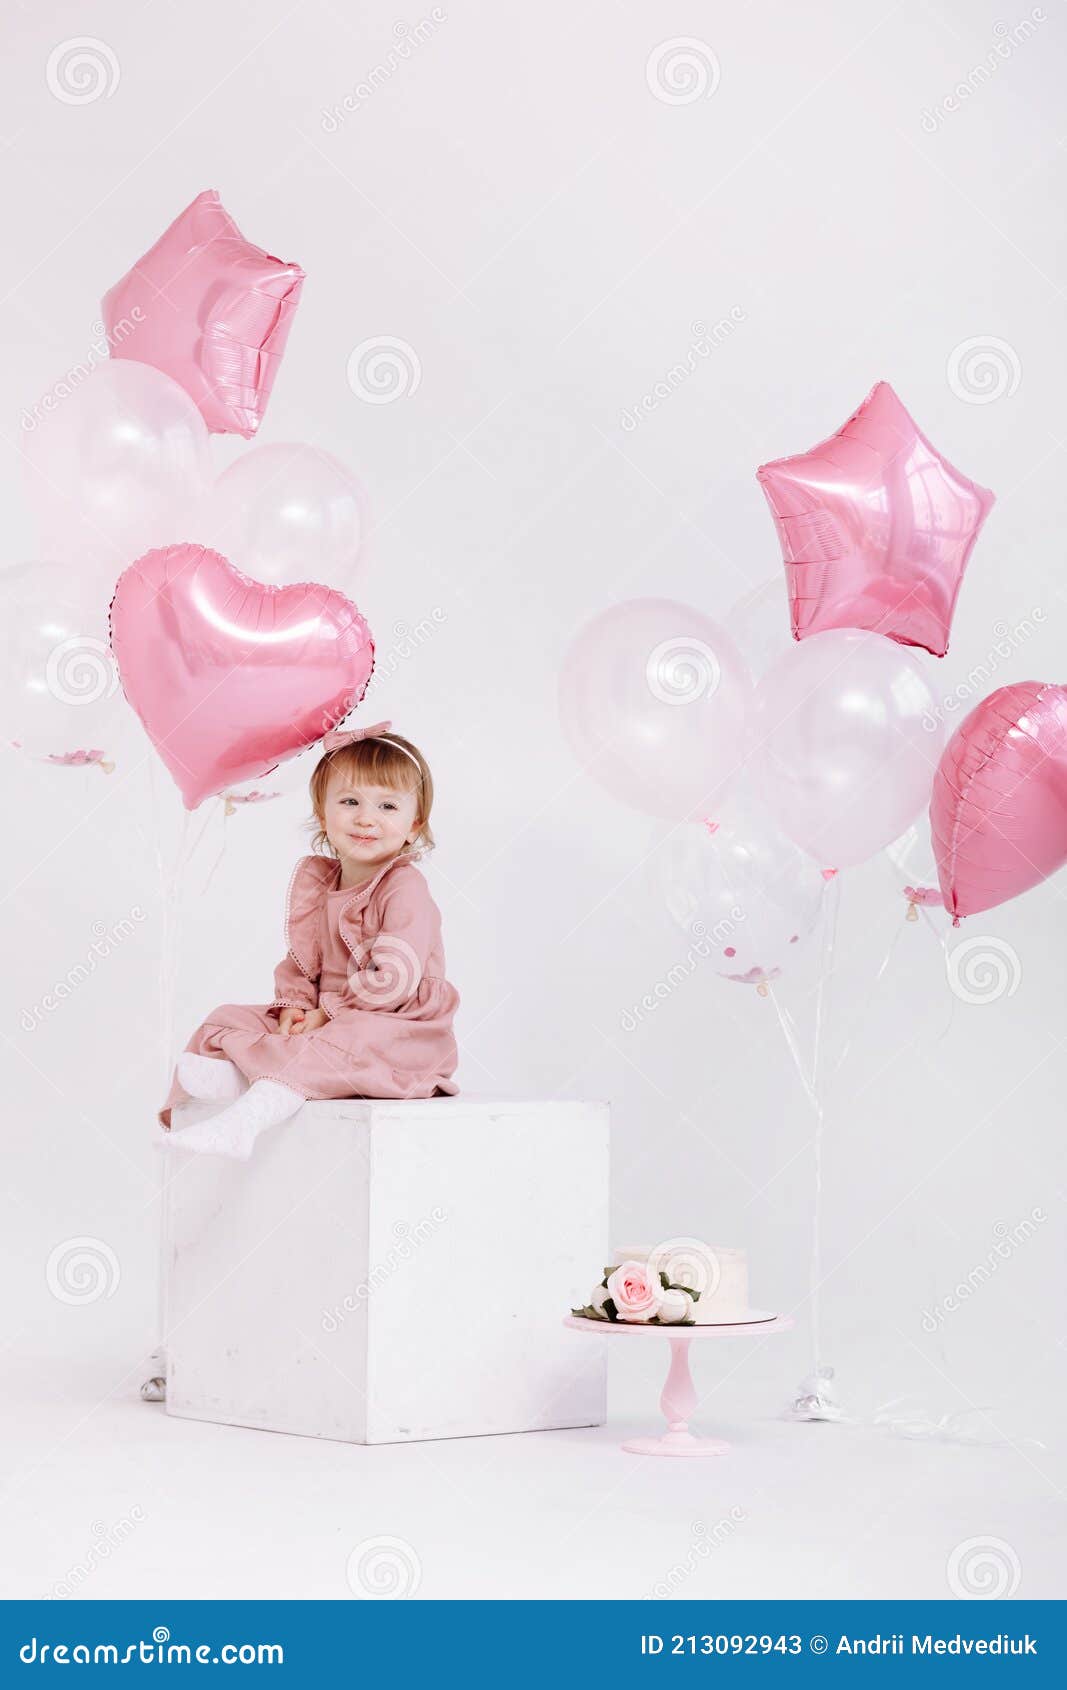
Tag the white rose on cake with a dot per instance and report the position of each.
(676, 1307)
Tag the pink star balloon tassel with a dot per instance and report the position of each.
(876, 528)
(210, 310)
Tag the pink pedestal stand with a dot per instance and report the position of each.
(679, 1397)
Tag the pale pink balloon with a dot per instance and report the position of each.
(876, 527)
(231, 677)
(284, 514)
(210, 309)
(845, 741)
(998, 813)
(653, 698)
(114, 468)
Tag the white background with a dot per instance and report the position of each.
(516, 204)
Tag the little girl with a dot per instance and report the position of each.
(362, 1007)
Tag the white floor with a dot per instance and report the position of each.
(105, 1496)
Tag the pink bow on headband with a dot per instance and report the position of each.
(348, 736)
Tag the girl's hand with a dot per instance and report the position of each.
(311, 1019)
(289, 1020)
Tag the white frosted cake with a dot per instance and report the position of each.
(719, 1274)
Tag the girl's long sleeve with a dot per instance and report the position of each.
(386, 971)
(292, 988)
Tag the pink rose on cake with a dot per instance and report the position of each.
(636, 1292)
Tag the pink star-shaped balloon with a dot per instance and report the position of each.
(876, 528)
(211, 311)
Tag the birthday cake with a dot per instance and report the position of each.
(681, 1282)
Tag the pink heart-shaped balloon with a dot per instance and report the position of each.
(230, 676)
(998, 813)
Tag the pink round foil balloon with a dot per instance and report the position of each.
(653, 698)
(842, 744)
(210, 309)
(998, 813)
(876, 528)
(231, 677)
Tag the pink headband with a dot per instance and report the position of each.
(338, 737)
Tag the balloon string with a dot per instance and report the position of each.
(822, 1013)
(170, 883)
(192, 848)
(788, 1026)
(814, 1093)
(221, 853)
(940, 939)
(864, 1014)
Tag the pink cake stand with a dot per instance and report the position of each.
(679, 1393)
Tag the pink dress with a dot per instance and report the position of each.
(370, 956)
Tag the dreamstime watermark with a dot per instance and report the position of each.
(1008, 1240)
(407, 641)
(408, 1240)
(702, 345)
(684, 970)
(682, 70)
(983, 1567)
(688, 1262)
(81, 670)
(82, 70)
(383, 972)
(70, 381)
(704, 1541)
(983, 969)
(383, 369)
(408, 38)
(1008, 640)
(1007, 39)
(682, 670)
(106, 1540)
(106, 941)
(82, 1270)
(386, 1568)
(982, 369)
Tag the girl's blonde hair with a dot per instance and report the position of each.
(375, 762)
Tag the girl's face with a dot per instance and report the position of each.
(366, 825)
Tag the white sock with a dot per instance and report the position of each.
(211, 1077)
(234, 1130)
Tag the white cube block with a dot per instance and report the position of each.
(382, 1271)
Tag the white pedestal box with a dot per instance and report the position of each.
(382, 1271)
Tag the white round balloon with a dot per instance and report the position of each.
(284, 514)
(844, 743)
(746, 895)
(60, 698)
